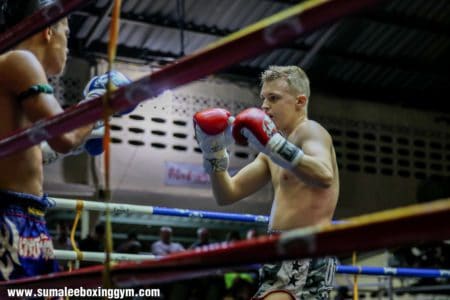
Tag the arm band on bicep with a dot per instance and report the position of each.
(34, 90)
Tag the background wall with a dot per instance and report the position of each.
(386, 153)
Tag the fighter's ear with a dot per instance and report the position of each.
(47, 34)
(302, 100)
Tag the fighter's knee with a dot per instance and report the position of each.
(279, 296)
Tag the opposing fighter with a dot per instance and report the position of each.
(298, 158)
(26, 97)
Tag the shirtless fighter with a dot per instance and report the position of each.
(26, 248)
(296, 156)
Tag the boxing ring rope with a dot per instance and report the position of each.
(100, 256)
(421, 222)
(340, 269)
(38, 21)
(260, 37)
(395, 272)
(61, 203)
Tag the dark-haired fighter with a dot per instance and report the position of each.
(26, 248)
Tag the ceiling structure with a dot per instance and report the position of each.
(397, 53)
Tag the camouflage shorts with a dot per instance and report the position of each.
(302, 279)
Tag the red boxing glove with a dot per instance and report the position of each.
(254, 127)
(213, 120)
(256, 121)
(213, 134)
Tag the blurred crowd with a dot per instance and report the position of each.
(229, 285)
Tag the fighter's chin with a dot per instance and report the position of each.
(274, 120)
(278, 125)
(57, 71)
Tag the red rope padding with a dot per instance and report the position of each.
(38, 21)
(418, 223)
(187, 69)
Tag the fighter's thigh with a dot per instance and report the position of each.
(279, 296)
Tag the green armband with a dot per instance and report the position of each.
(36, 89)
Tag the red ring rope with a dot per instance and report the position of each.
(38, 21)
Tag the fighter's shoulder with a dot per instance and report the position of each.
(20, 64)
(14, 56)
(310, 128)
(20, 61)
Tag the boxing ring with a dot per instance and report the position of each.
(405, 225)
(70, 204)
(386, 272)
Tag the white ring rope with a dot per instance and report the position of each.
(115, 208)
(62, 203)
(100, 256)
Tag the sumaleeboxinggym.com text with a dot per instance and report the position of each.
(82, 292)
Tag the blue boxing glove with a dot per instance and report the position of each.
(97, 86)
(93, 145)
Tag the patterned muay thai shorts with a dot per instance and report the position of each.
(26, 248)
(301, 279)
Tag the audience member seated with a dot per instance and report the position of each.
(165, 245)
(61, 241)
(233, 235)
(131, 245)
(251, 234)
(62, 238)
(240, 286)
(202, 238)
(94, 242)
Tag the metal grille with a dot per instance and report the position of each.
(388, 150)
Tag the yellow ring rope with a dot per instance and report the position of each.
(112, 47)
(355, 279)
(79, 209)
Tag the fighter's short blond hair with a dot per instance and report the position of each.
(295, 77)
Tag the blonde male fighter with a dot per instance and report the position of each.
(296, 156)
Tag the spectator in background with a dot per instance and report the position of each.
(62, 238)
(233, 235)
(94, 242)
(61, 241)
(131, 245)
(240, 285)
(202, 238)
(211, 287)
(251, 234)
(165, 245)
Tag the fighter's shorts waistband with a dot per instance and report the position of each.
(33, 204)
